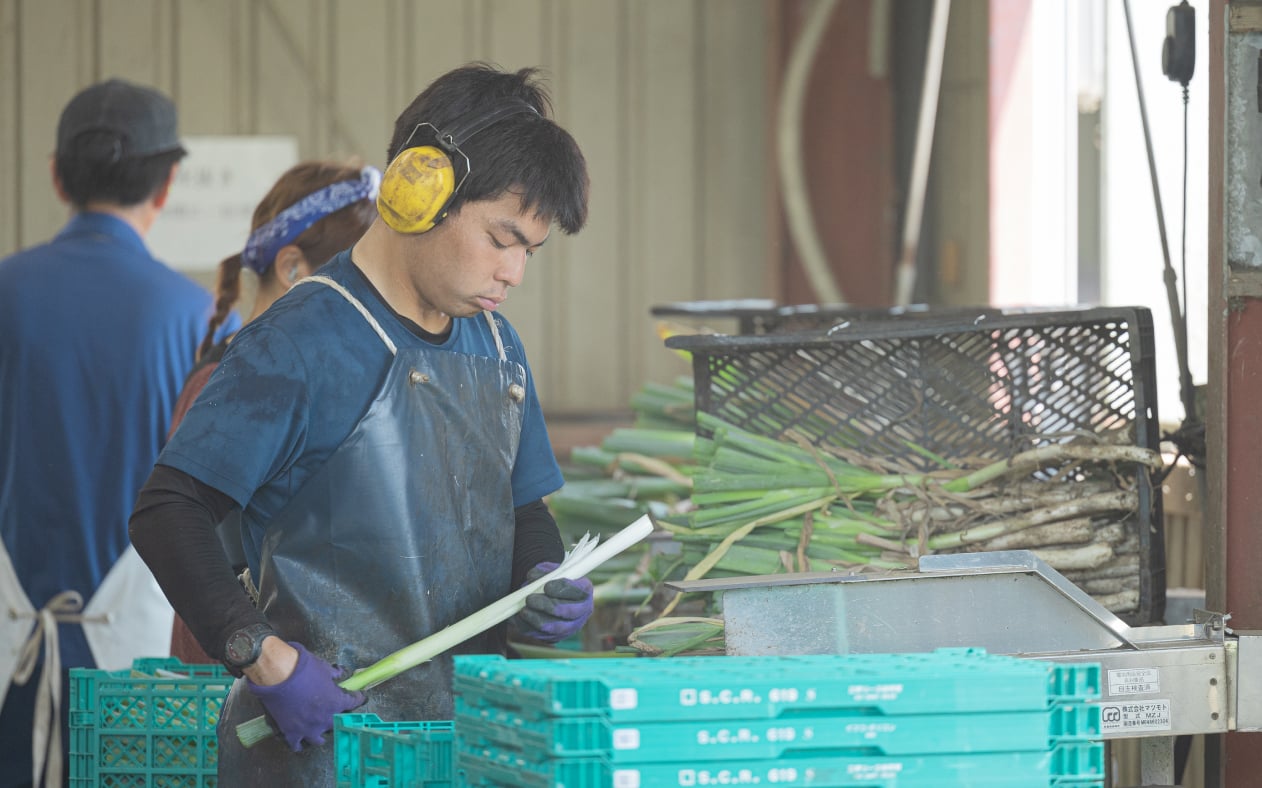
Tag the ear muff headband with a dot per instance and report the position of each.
(420, 182)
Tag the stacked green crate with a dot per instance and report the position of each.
(371, 753)
(152, 725)
(952, 718)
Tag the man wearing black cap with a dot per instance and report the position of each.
(96, 337)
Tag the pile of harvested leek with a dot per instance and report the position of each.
(742, 504)
(645, 469)
(762, 506)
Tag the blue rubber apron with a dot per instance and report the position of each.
(407, 528)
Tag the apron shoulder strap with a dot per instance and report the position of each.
(495, 332)
(372, 321)
(363, 310)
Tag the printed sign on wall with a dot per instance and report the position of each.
(216, 189)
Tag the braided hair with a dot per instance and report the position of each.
(319, 242)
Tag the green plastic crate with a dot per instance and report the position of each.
(1073, 722)
(1077, 764)
(371, 753)
(955, 717)
(488, 767)
(734, 687)
(858, 734)
(150, 726)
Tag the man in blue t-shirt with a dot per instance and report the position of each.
(378, 429)
(96, 337)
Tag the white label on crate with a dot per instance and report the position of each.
(623, 699)
(735, 736)
(1134, 681)
(874, 772)
(626, 778)
(1143, 715)
(744, 776)
(875, 692)
(626, 738)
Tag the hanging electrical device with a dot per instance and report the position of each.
(1178, 52)
(1178, 62)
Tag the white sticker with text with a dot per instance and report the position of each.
(1144, 715)
(1134, 681)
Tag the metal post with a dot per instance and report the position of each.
(1234, 526)
(1156, 760)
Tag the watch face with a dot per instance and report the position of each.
(241, 649)
(236, 643)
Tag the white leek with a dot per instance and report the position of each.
(586, 556)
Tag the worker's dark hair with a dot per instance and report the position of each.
(91, 171)
(319, 242)
(524, 153)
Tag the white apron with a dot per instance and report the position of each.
(127, 617)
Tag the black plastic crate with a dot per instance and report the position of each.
(983, 386)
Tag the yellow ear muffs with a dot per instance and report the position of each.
(419, 183)
(415, 188)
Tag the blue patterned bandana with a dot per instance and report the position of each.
(292, 222)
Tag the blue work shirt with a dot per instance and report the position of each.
(297, 379)
(96, 338)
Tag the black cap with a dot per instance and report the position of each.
(139, 118)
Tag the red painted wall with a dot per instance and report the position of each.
(849, 148)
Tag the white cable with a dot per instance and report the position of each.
(797, 206)
(905, 282)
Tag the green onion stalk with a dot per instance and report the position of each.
(582, 561)
(744, 502)
(749, 482)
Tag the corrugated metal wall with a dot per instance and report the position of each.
(666, 97)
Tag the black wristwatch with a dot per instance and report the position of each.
(244, 646)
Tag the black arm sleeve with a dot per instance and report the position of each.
(537, 539)
(173, 530)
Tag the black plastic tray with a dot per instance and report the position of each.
(763, 316)
(959, 385)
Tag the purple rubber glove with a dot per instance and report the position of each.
(302, 706)
(559, 611)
